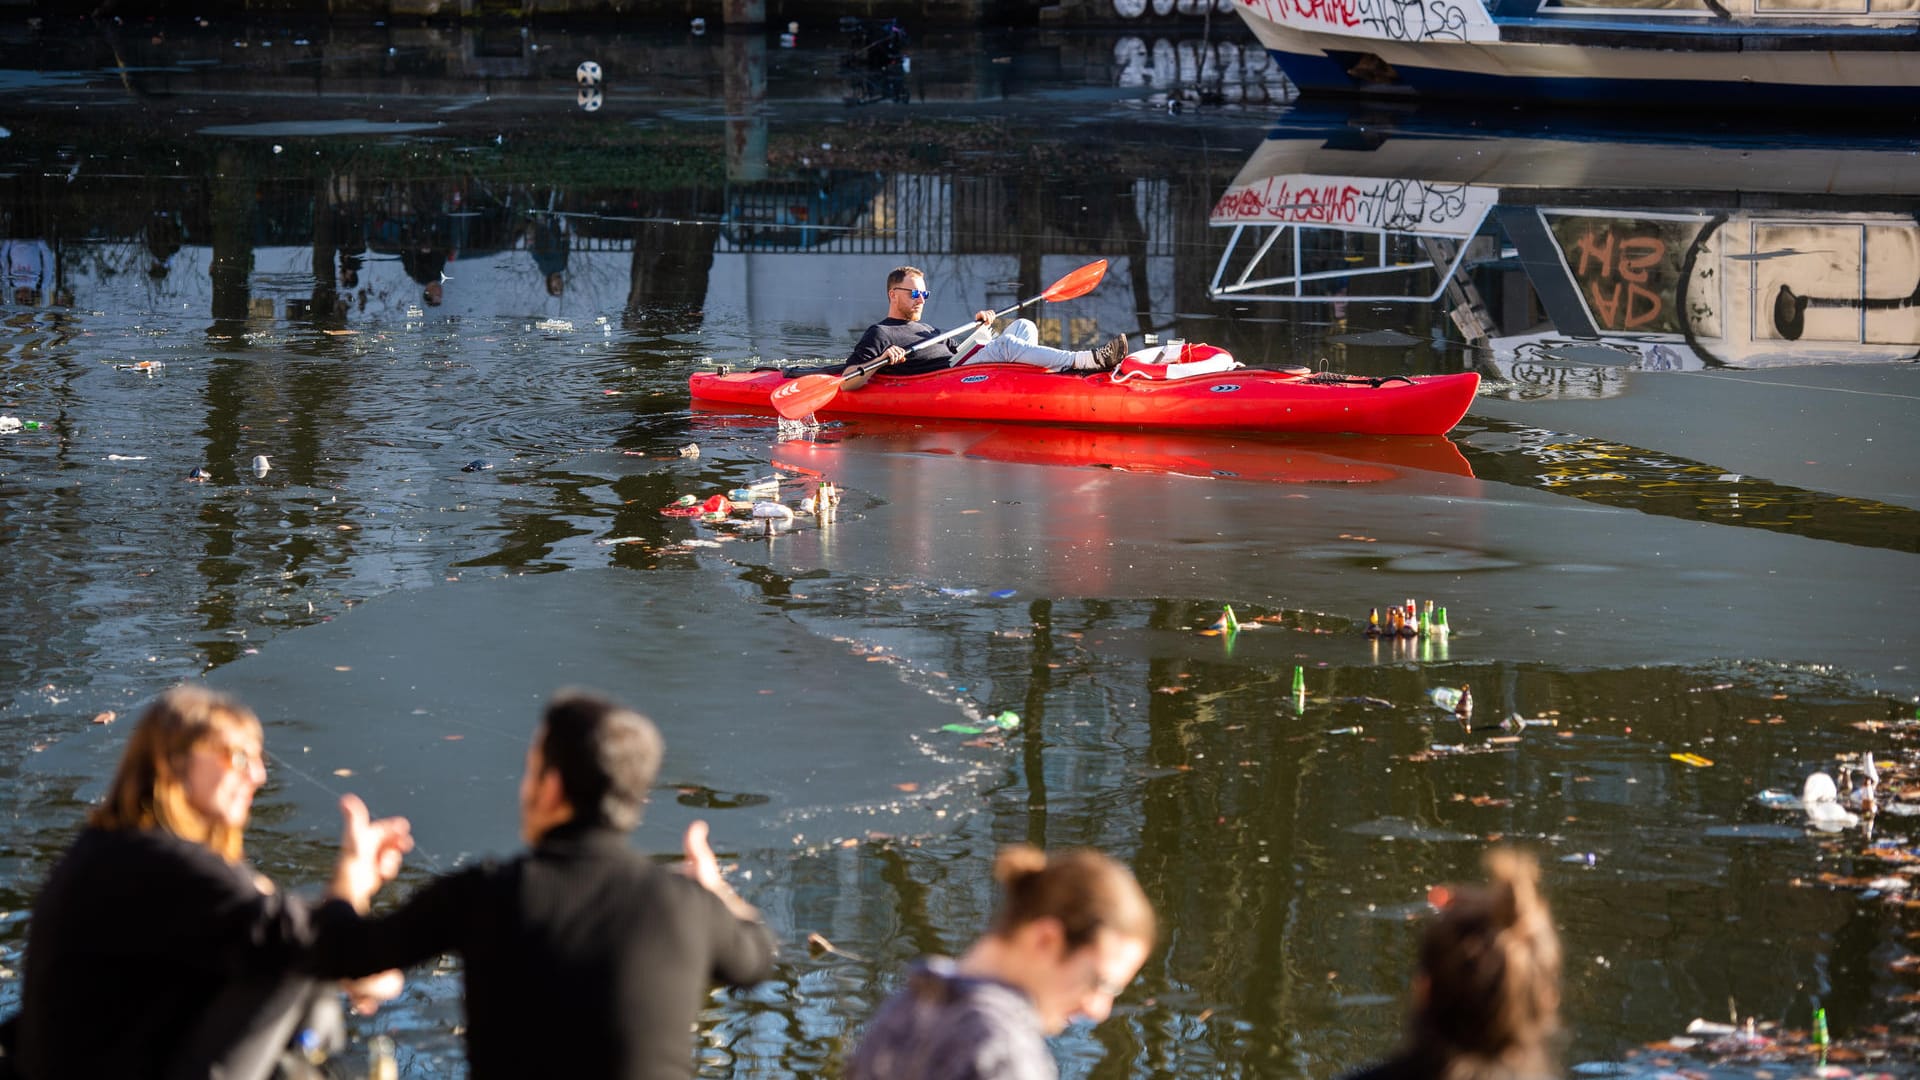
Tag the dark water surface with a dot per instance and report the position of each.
(1681, 519)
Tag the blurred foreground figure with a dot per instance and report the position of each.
(1486, 996)
(154, 950)
(1071, 931)
(581, 956)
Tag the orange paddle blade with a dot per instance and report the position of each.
(805, 395)
(1079, 283)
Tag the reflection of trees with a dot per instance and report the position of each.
(667, 277)
(232, 213)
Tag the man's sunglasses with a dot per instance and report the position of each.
(917, 294)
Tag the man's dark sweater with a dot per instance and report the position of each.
(887, 333)
(582, 956)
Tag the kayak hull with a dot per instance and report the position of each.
(1259, 458)
(1245, 400)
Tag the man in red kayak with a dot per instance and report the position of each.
(895, 336)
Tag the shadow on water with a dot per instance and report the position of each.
(1674, 536)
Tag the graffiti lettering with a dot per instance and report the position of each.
(1614, 270)
(1333, 12)
(1327, 204)
(1397, 20)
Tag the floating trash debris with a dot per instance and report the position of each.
(1005, 721)
(690, 450)
(199, 475)
(261, 466)
(759, 490)
(1820, 799)
(1407, 619)
(477, 465)
(1694, 760)
(1458, 702)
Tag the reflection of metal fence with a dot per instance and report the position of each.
(905, 213)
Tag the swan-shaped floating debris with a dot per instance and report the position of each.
(1821, 800)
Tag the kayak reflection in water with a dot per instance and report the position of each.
(154, 949)
(895, 337)
(1071, 931)
(1486, 995)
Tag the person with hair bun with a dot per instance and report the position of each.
(1071, 931)
(1486, 996)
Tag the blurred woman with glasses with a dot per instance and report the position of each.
(154, 950)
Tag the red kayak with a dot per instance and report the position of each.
(1240, 400)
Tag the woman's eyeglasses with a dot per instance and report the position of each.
(917, 294)
(239, 758)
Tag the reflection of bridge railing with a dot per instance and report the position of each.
(903, 213)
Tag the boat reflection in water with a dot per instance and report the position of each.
(1588, 251)
(1277, 459)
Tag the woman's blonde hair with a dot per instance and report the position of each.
(1085, 890)
(1491, 964)
(149, 788)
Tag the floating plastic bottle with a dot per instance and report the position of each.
(1441, 627)
(1373, 623)
(1820, 1027)
(381, 1063)
(1458, 702)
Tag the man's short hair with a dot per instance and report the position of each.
(900, 274)
(607, 756)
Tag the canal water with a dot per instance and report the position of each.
(452, 297)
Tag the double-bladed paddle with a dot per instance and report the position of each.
(808, 394)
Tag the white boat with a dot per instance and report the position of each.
(1855, 56)
(1641, 249)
